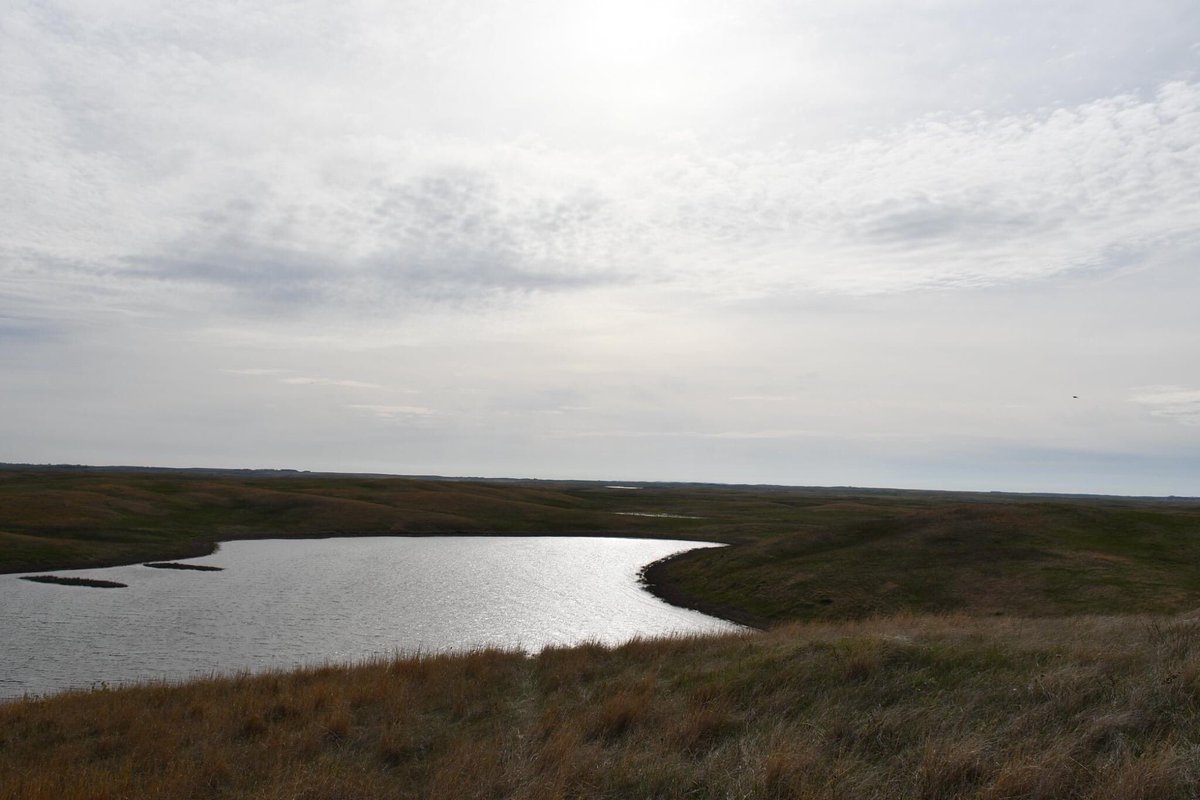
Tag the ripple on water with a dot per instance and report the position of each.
(280, 603)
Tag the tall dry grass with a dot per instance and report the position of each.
(913, 706)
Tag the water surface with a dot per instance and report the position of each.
(280, 603)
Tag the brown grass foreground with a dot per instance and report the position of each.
(911, 706)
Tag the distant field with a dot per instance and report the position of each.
(844, 560)
(68, 518)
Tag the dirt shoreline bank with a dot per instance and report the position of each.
(655, 578)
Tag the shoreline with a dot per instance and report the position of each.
(199, 548)
(655, 579)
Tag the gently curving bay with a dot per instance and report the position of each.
(281, 603)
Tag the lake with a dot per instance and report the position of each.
(286, 602)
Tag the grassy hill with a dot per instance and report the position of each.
(907, 707)
(842, 560)
(919, 644)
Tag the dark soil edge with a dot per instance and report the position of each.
(656, 579)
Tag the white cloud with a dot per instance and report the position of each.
(306, 381)
(391, 412)
(157, 157)
(1170, 402)
(942, 202)
(255, 371)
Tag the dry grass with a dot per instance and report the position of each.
(914, 706)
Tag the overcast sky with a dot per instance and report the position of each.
(909, 243)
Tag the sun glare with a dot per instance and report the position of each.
(627, 34)
(630, 61)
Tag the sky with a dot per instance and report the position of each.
(943, 244)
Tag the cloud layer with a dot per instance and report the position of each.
(147, 152)
(598, 223)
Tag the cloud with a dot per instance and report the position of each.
(304, 380)
(19, 330)
(255, 371)
(300, 381)
(446, 235)
(154, 152)
(391, 412)
(329, 382)
(965, 201)
(777, 434)
(1170, 402)
(943, 202)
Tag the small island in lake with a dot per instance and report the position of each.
(64, 581)
(177, 565)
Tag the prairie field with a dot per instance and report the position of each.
(909, 706)
(912, 644)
